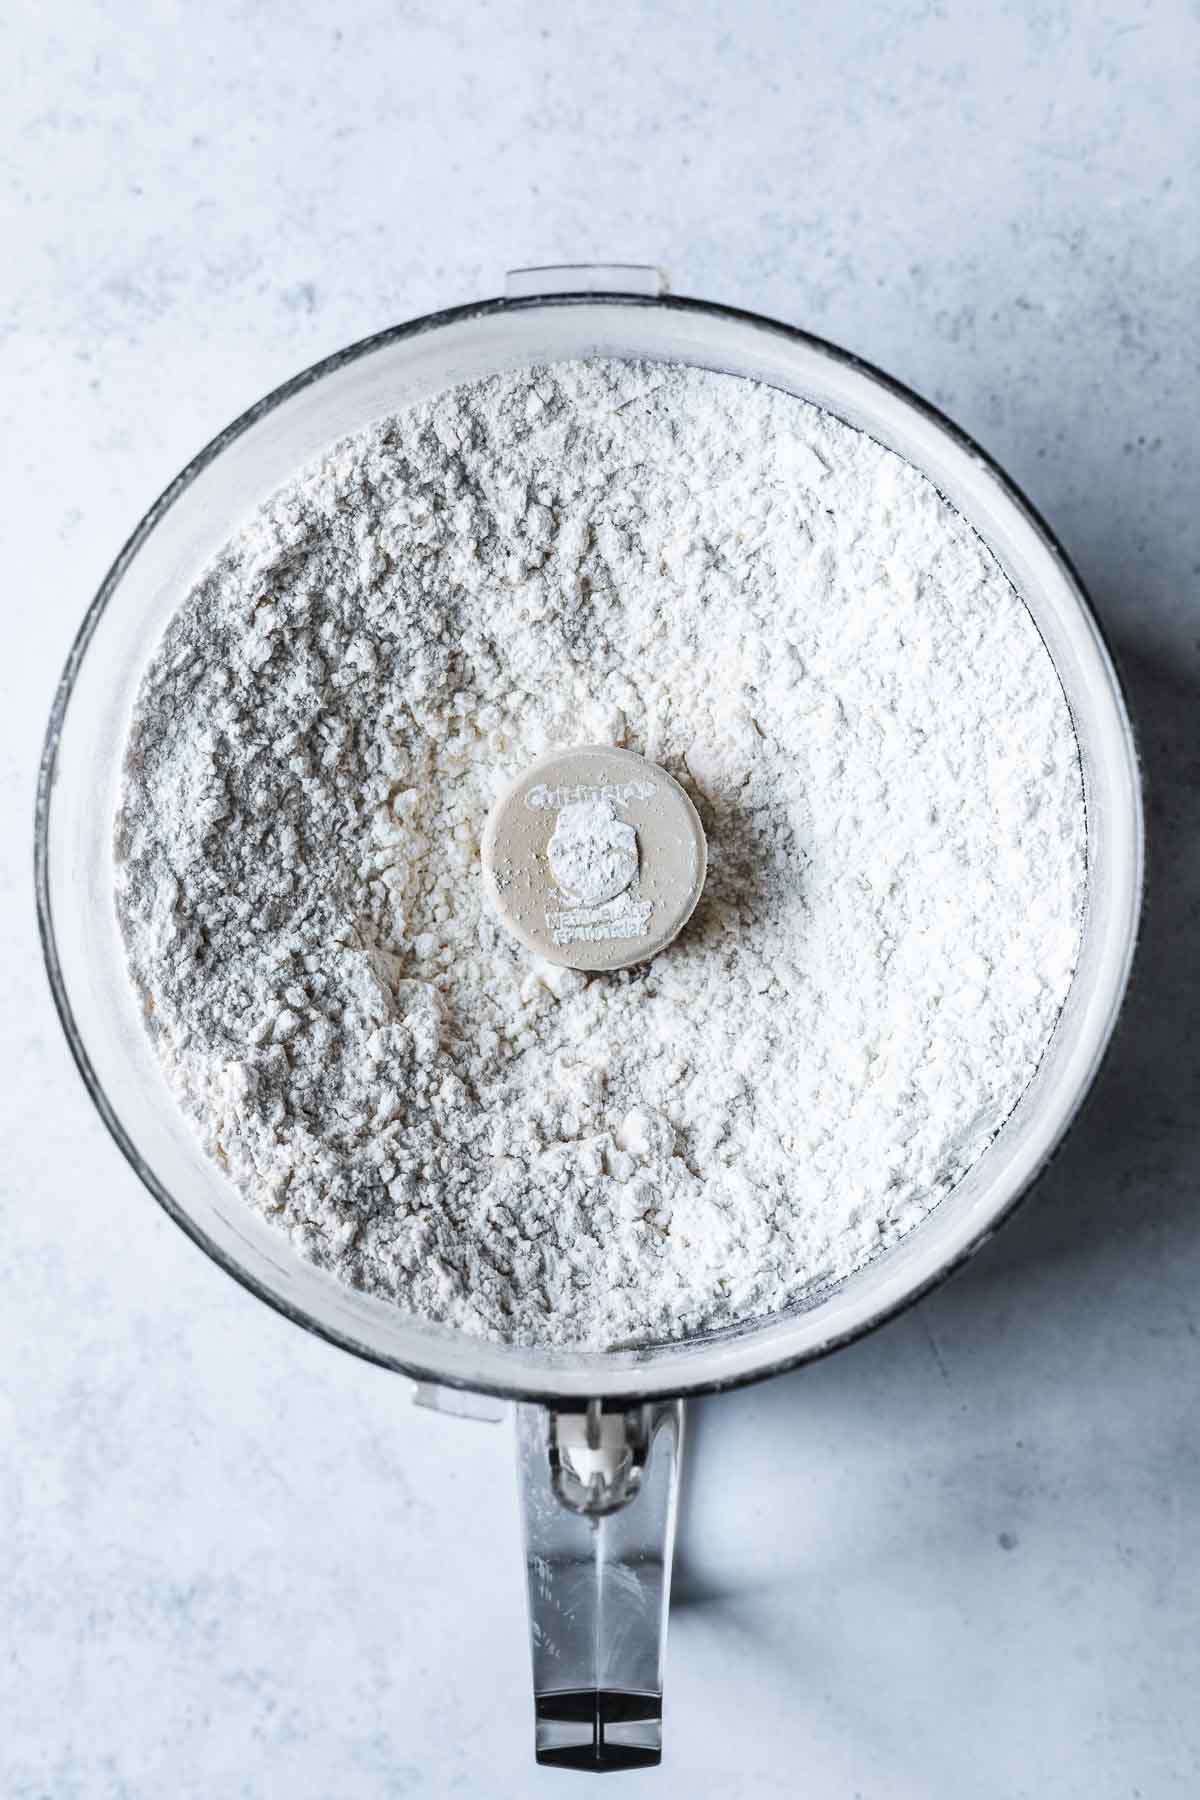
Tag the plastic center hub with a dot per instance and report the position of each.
(594, 858)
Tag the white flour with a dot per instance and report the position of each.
(592, 854)
(781, 613)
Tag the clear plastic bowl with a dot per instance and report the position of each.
(81, 767)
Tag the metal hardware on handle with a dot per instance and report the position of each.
(598, 1494)
(586, 278)
(597, 1458)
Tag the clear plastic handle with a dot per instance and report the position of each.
(598, 1493)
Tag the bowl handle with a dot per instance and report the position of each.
(598, 1494)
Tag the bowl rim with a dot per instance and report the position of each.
(631, 1393)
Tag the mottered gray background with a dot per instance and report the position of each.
(961, 1558)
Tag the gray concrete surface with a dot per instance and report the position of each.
(961, 1561)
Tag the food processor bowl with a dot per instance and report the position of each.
(598, 1431)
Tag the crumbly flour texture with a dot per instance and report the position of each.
(781, 613)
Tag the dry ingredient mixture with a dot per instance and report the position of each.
(789, 619)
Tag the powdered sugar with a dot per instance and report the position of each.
(743, 589)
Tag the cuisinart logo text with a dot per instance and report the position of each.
(573, 792)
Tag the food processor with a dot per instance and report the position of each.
(599, 1434)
